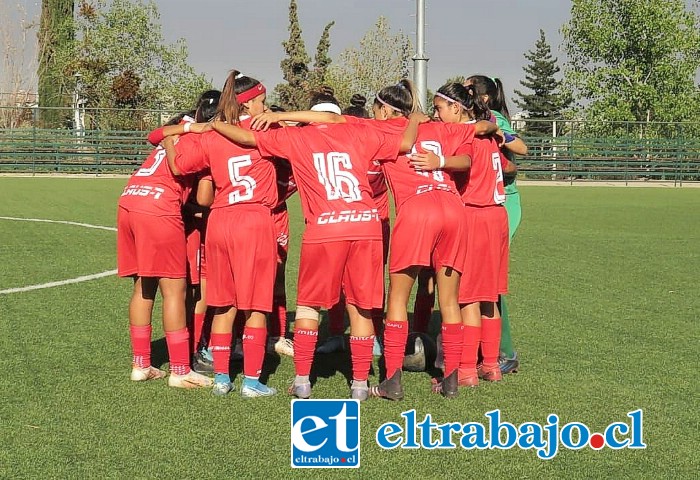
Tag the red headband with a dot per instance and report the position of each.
(251, 93)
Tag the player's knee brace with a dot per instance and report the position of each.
(308, 313)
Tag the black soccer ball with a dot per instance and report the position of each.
(420, 352)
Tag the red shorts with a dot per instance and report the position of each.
(429, 231)
(281, 221)
(150, 245)
(485, 274)
(353, 265)
(194, 252)
(386, 235)
(240, 247)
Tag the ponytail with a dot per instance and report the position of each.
(237, 90)
(229, 110)
(493, 87)
(467, 98)
(401, 97)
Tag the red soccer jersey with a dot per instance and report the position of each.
(154, 190)
(240, 174)
(441, 139)
(380, 191)
(483, 186)
(286, 185)
(330, 165)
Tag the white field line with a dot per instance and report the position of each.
(83, 278)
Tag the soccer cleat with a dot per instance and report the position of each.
(508, 364)
(252, 388)
(149, 373)
(189, 380)
(300, 390)
(490, 373)
(390, 388)
(359, 390)
(468, 377)
(201, 364)
(221, 388)
(284, 346)
(333, 344)
(237, 352)
(447, 386)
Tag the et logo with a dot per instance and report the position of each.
(325, 434)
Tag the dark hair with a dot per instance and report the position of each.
(207, 105)
(277, 108)
(357, 107)
(178, 118)
(469, 99)
(401, 96)
(493, 87)
(323, 95)
(229, 109)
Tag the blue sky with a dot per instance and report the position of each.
(462, 36)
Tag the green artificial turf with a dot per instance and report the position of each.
(604, 304)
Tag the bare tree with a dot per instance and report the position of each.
(18, 70)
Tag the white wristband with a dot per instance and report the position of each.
(188, 125)
(442, 161)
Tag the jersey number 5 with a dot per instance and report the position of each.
(334, 174)
(247, 183)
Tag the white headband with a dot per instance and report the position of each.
(326, 107)
(380, 100)
(451, 100)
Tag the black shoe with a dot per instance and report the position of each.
(201, 364)
(508, 364)
(450, 385)
(390, 388)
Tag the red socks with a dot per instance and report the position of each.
(422, 311)
(278, 317)
(452, 338)
(361, 353)
(490, 340)
(336, 318)
(253, 351)
(141, 345)
(198, 324)
(179, 351)
(395, 336)
(470, 347)
(304, 346)
(220, 344)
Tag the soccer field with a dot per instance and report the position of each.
(605, 301)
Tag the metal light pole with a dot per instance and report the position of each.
(420, 61)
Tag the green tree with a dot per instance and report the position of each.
(322, 60)
(546, 102)
(120, 53)
(382, 59)
(56, 33)
(632, 60)
(294, 93)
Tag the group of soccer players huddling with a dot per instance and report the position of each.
(205, 220)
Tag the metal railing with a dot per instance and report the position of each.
(577, 151)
